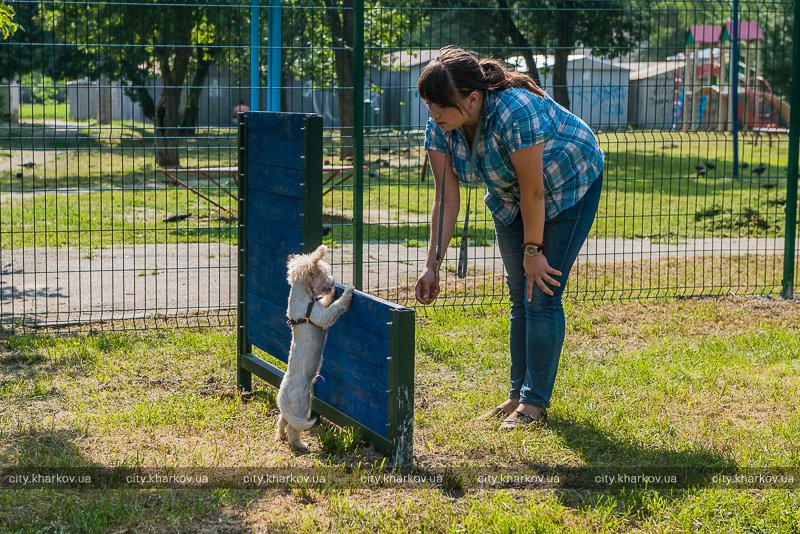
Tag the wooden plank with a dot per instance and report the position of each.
(368, 347)
(369, 313)
(287, 154)
(267, 313)
(273, 342)
(276, 180)
(276, 125)
(267, 285)
(371, 410)
(277, 208)
(267, 259)
(273, 234)
(346, 367)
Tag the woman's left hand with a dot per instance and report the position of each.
(538, 271)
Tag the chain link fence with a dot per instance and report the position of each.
(118, 146)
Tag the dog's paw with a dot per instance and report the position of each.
(347, 294)
(299, 446)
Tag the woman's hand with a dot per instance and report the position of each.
(538, 271)
(427, 288)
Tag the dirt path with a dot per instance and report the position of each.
(46, 285)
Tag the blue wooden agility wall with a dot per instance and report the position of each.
(367, 376)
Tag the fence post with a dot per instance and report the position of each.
(255, 54)
(734, 93)
(794, 149)
(274, 53)
(358, 142)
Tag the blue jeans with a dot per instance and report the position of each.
(537, 327)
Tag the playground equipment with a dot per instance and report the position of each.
(703, 88)
(367, 375)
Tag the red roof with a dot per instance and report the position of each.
(749, 30)
(704, 34)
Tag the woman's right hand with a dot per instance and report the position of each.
(427, 288)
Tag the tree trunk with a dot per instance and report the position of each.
(104, 106)
(174, 65)
(167, 132)
(341, 23)
(519, 40)
(565, 43)
(192, 110)
(141, 95)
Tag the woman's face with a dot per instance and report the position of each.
(446, 118)
(450, 118)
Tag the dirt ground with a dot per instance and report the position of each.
(68, 285)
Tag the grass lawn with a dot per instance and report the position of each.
(47, 110)
(682, 384)
(651, 190)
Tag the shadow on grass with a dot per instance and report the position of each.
(64, 505)
(44, 448)
(607, 457)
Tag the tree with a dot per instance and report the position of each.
(176, 42)
(326, 28)
(25, 55)
(7, 25)
(341, 24)
(609, 27)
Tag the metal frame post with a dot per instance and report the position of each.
(401, 386)
(274, 56)
(791, 179)
(244, 378)
(255, 54)
(358, 142)
(735, 86)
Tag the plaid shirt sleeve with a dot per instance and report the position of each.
(525, 122)
(435, 138)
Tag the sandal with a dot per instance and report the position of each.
(495, 413)
(520, 420)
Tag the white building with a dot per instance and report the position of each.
(651, 101)
(597, 88)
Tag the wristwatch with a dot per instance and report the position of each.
(532, 249)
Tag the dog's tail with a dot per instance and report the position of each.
(298, 423)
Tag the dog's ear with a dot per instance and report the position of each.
(319, 253)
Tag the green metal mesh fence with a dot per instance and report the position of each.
(117, 149)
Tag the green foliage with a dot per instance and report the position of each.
(310, 26)
(38, 88)
(7, 25)
(336, 440)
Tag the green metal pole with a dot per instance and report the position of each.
(794, 150)
(244, 378)
(358, 142)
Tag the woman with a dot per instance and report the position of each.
(542, 169)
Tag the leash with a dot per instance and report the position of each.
(462, 253)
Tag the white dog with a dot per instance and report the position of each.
(311, 312)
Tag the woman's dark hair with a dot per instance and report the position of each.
(457, 72)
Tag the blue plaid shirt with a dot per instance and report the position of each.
(513, 119)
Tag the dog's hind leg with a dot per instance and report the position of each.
(280, 432)
(293, 437)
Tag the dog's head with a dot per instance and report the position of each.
(310, 271)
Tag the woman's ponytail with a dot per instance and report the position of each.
(497, 77)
